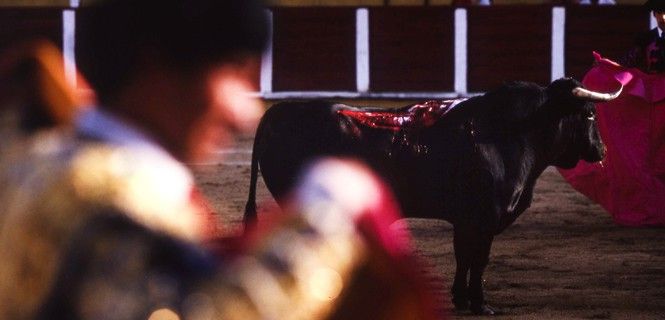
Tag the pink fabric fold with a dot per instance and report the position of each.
(630, 181)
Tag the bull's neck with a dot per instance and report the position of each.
(543, 145)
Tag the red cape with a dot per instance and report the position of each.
(630, 181)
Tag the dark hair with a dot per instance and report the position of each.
(112, 35)
(655, 5)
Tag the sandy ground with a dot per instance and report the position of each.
(562, 259)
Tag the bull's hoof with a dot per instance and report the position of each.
(461, 304)
(485, 310)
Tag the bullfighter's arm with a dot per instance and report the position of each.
(306, 264)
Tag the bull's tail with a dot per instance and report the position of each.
(250, 216)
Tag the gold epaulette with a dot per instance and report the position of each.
(150, 188)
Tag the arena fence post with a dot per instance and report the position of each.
(461, 30)
(69, 41)
(265, 85)
(558, 43)
(362, 50)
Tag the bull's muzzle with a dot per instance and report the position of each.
(595, 153)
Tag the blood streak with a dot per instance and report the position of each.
(422, 114)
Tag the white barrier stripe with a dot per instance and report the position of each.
(652, 21)
(361, 95)
(558, 42)
(74, 3)
(266, 59)
(362, 50)
(68, 44)
(461, 34)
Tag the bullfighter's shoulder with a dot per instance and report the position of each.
(51, 194)
(147, 185)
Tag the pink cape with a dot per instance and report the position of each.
(630, 182)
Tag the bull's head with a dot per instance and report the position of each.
(573, 109)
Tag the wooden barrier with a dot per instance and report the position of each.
(314, 49)
(24, 23)
(411, 49)
(508, 43)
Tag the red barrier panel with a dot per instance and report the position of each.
(20, 24)
(508, 43)
(411, 49)
(314, 49)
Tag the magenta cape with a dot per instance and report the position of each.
(630, 182)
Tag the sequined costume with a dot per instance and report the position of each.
(57, 185)
(103, 227)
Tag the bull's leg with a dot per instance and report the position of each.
(479, 261)
(461, 243)
(250, 218)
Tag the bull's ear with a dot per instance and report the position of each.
(562, 89)
(560, 98)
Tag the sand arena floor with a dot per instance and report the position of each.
(562, 259)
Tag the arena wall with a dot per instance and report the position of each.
(416, 50)
(22, 23)
(399, 51)
(328, 3)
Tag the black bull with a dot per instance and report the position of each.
(475, 167)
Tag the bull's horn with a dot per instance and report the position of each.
(596, 96)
